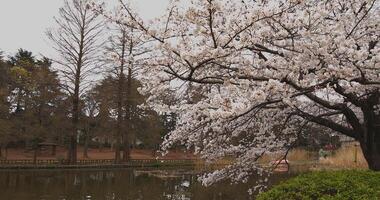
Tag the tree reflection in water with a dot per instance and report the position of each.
(169, 184)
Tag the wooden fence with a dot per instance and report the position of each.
(92, 163)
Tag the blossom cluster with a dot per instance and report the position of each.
(250, 73)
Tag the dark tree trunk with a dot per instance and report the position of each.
(119, 118)
(371, 151)
(6, 152)
(117, 151)
(370, 140)
(72, 153)
(126, 150)
(86, 141)
(120, 100)
(35, 155)
(128, 120)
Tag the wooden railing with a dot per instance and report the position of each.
(98, 162)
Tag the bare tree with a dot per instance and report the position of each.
(125, 52)
(76, 39)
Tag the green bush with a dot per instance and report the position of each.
(332, 185)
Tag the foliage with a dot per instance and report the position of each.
(145, 124)
(4, 104)
(337, 185)
(31, 100)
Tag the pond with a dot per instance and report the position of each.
(126, 184)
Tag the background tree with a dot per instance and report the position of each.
(124, 53)
(4, 105)
(77, 42)
(24, 126)
(104, 96)
(91, 110)
(146, 125)
(34, 98)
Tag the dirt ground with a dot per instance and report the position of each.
(105, 153)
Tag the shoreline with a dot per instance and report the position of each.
(92, 164)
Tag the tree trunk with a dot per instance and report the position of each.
(370, 145)
(72, 151)
(371, 151)
(120, 101)
(126, 150)
(35, 155)
(370, 140)
(128, 120)
(117, 151)
(69, 149)
(72, 157)
(86, 141)
(76, 97)
(6, 152)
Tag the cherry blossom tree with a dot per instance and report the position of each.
(255, 72)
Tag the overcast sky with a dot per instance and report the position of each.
(23, 23)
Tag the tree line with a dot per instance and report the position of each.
(68, 103)
(35, 108)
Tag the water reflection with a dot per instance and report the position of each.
(169, 184)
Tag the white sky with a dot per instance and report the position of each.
(23, 23)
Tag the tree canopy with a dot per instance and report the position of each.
(255, 72)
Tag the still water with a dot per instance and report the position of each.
(128, 184)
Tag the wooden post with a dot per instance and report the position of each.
(356, 153)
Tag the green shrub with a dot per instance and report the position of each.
(332, 185)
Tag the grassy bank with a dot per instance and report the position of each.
(328, 185)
